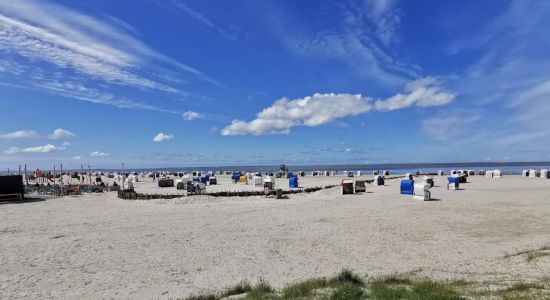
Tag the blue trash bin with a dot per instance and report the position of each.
(293, 182)
(454, 180)
(407, 187)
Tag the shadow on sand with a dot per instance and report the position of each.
(24, 201)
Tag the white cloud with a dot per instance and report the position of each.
(309, 111)
(39, 149)
(20, 134)
(96, 47)
(60, 133)
(321, 109)
(160, 137)
(192, 115)
(452, 126)
(385, 17)
(360, 40)
(423, 93)
(78, 91)
(77, 157)
(99, 154)
(203, 20)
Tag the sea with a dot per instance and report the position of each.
(510, 168)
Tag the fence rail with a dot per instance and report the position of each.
(133, 195)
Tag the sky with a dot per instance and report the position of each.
(170, 83)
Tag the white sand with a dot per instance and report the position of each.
(98, 246)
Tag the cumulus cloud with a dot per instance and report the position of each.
(61, 133)
(160, 137)
(192, 115)
(321, 109)
(99, 154)
(19, 134)
(309, 111)
(424, 92)
(39, 149)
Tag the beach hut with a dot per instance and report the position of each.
(453, 172)
(374, 173)
(258, 181)
(428, 180)
(482, 172)
(471, 172)
(180, 184)
(497, 173)
(269, 185)
(243, 179)
(407, 187)
(534, 173)
(454, 183)
(525, 173)
(213, 180)
(378, 180)
(440, 173)
(360, 186)
(422, 192)
(332, 173)
(269, 180)
(235, 176)
(11, 187)
(347, 186)
(166, 182)
(359, 173)
(293, 182)
(205, 179)
(350, 174)
(544, 174)
(489, 174)
(386, 173)
(196, 188)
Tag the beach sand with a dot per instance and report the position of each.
(99, 246)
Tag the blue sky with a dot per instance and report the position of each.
(204, 83)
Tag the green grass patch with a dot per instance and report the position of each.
(523, 291)
(348, 291)
(304, 289)
(241, 288)
(394, 287)
(347, 285)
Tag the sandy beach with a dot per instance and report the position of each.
(99, 246)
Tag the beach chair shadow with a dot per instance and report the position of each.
(434, 199)
(23, 201)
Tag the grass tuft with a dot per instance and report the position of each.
(394, 287)
(241, 288)
(346, 276)
(203, 297)
(304, 288)
(262, 290)
(347, 291)
(393, 279)
(523, 287)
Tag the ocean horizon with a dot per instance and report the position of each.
(511, 168)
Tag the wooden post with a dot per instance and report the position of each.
(61, 178)
(89, 178)
(26, 180)
(122, 176)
